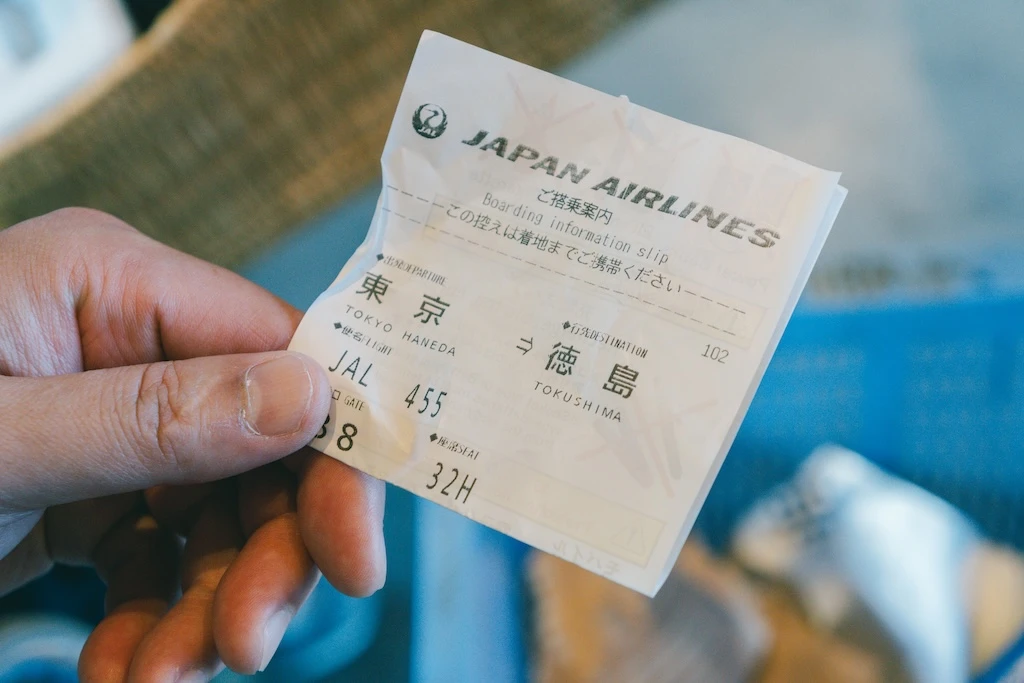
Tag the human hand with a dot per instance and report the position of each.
(145, 406)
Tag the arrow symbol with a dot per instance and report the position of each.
(566, 325)
(433, 437)
(380, 257)
(337, 326)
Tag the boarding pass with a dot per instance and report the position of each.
(562, 308)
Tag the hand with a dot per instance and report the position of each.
(145, 408)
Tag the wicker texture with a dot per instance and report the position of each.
(232, 121)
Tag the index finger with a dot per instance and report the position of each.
(136, 300)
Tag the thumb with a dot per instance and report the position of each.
(106, 431)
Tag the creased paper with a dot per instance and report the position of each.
(562, 308)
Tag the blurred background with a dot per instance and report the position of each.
(250, 134)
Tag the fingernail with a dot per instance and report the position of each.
(380, 550)
(273, 632)
(193, 677)
(278, 393)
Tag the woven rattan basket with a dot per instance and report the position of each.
(232, 121)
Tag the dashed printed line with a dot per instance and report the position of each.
(414, 196)
(592, 284)
(573, 277)
(404, 217)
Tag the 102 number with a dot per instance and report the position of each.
(715, 353)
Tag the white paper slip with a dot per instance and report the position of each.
(562, 308)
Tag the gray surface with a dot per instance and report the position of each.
(918, 103)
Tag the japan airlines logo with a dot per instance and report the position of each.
(429, 121)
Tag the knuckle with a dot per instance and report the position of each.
(43, 242)
(91, 230)
(82, 223)
(164, 418)
(81, 217)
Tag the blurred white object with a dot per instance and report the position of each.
(843, 532)
(49, 49)
(40, 647)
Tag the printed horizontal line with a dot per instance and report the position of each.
(594, 284)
